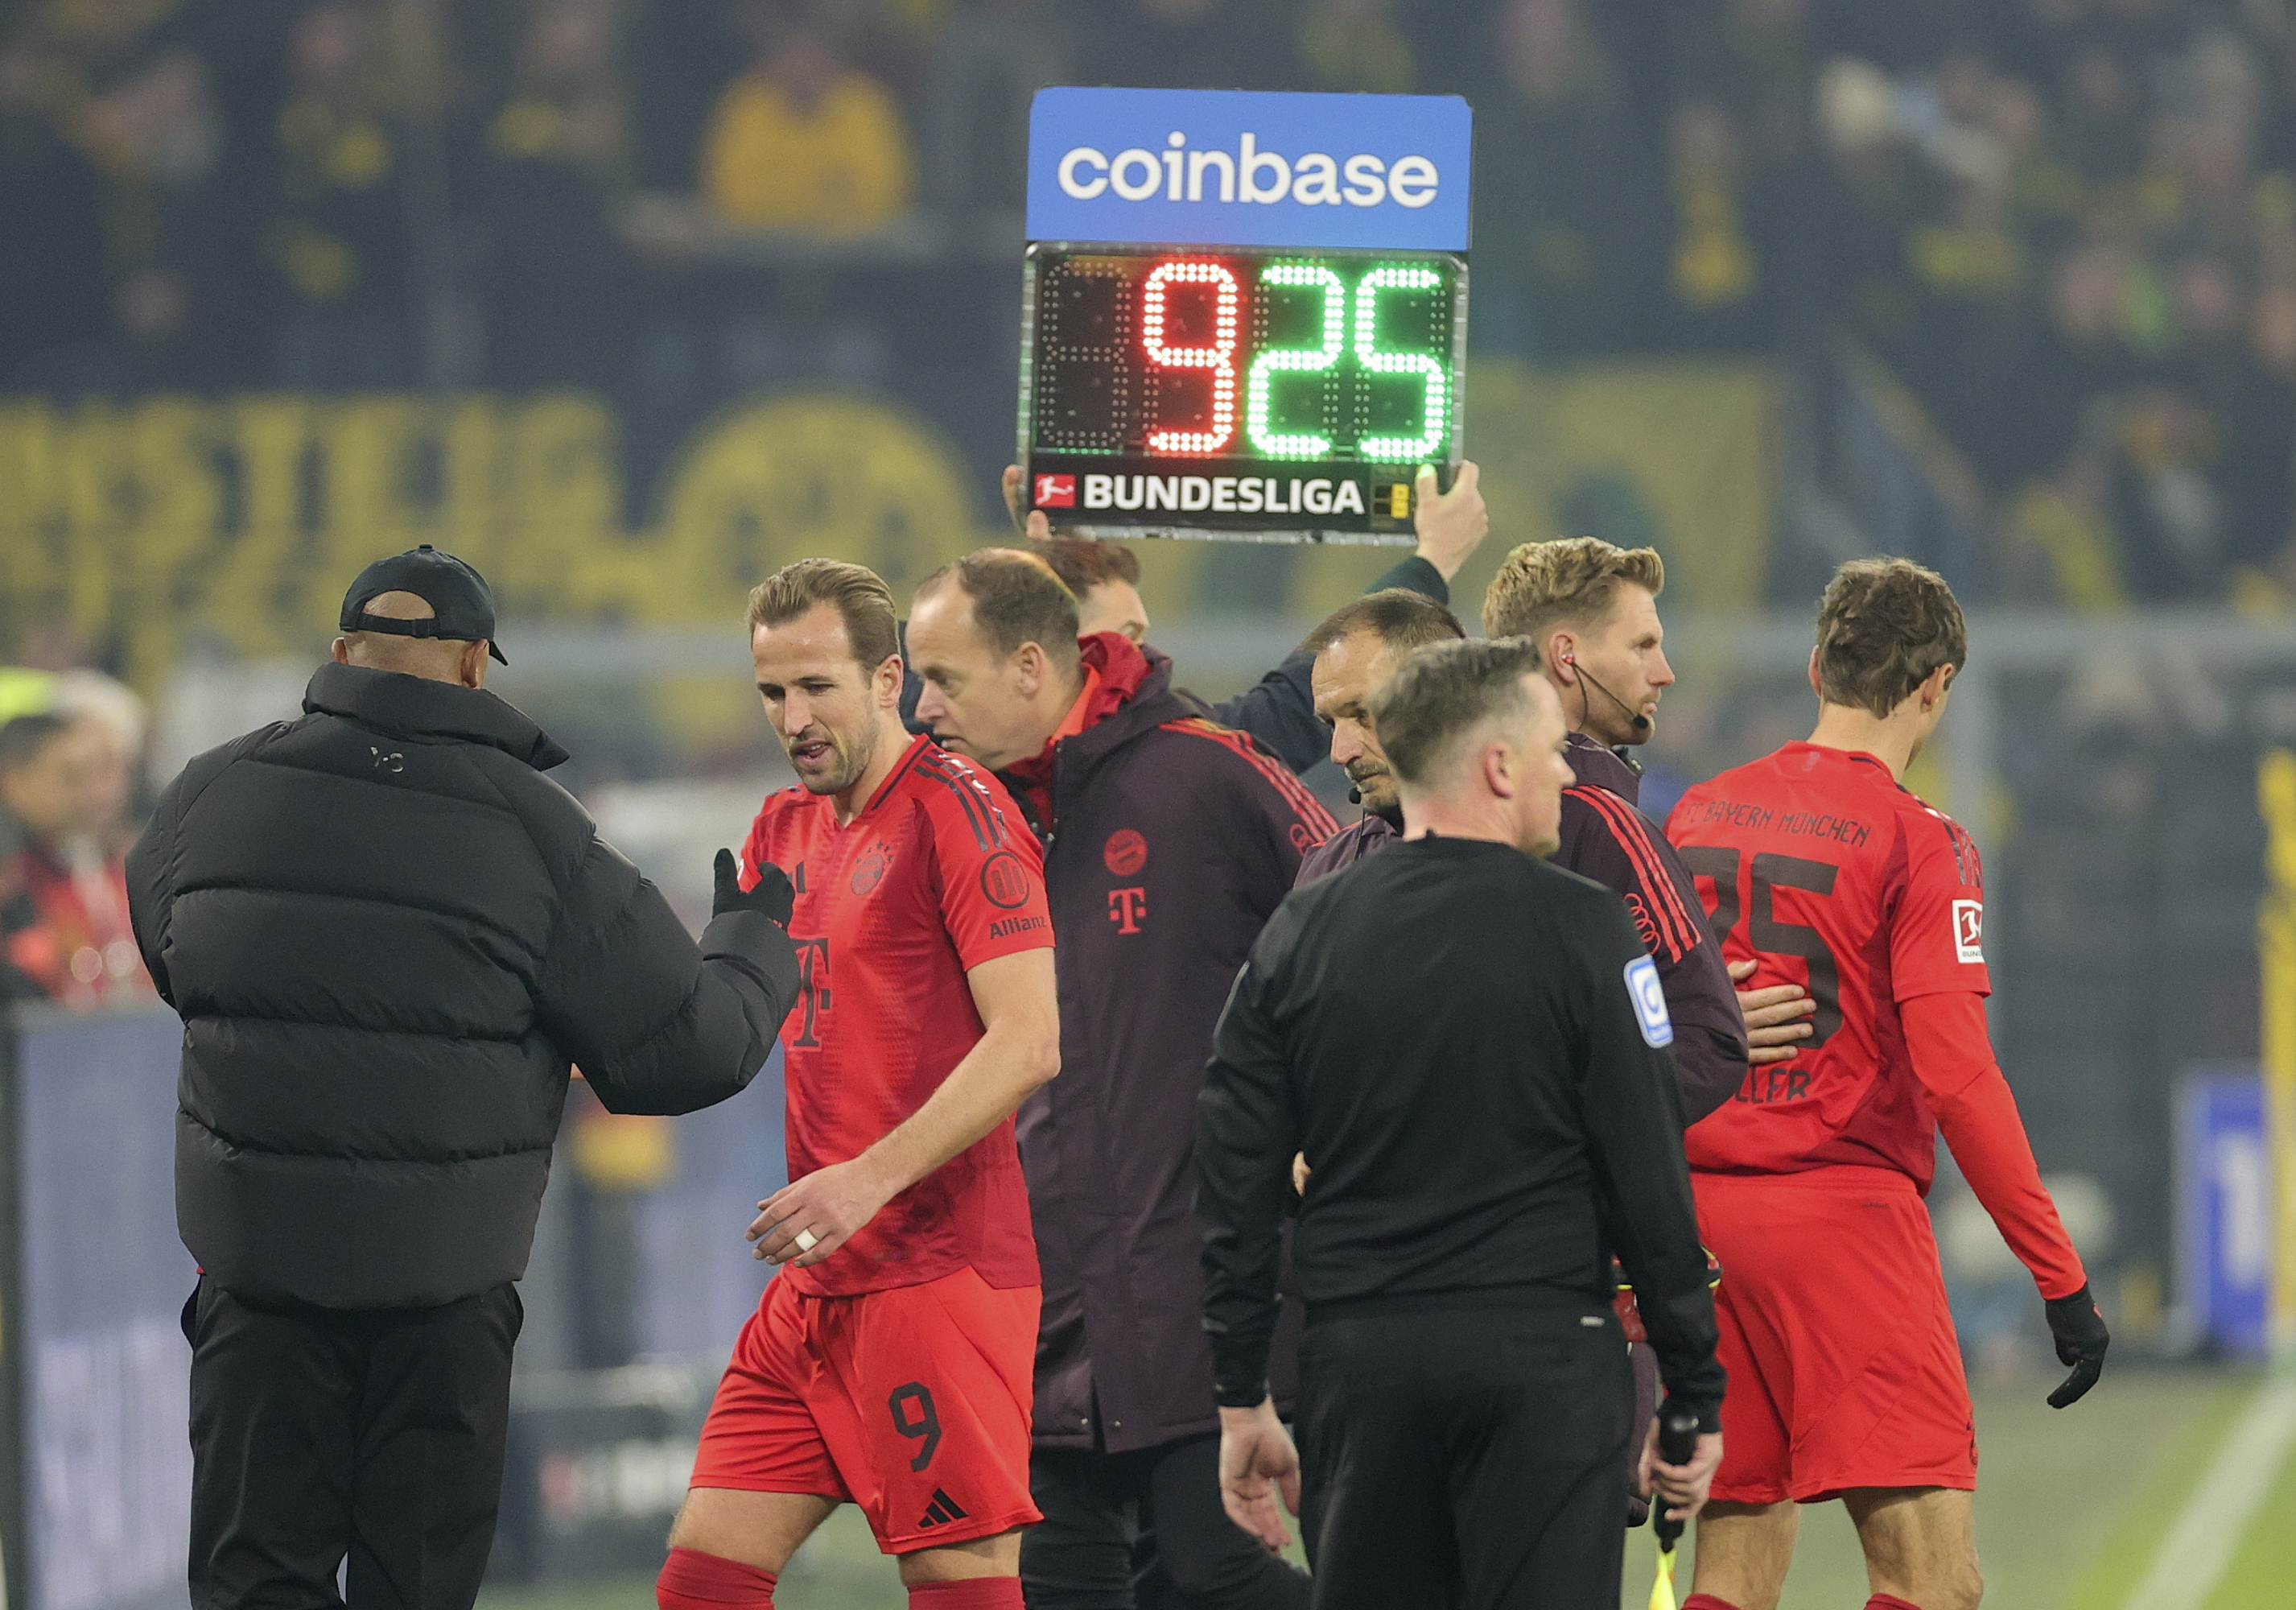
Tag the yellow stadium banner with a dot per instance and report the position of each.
(145, 524)
(137, 527)
(2277, 967)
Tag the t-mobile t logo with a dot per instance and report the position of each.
(1128, 908)
(813, 978)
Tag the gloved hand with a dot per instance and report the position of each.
(2082, 1340)
(773, 898)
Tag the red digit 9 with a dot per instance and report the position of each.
(925, 1423)
(1219, 356)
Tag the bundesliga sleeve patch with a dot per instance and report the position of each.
(1969, 932)
(1643, 989)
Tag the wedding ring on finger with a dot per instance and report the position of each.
(807, 1241)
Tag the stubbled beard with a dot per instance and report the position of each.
(852, 763)
(1373, 780)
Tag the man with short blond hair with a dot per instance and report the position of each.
(1591, 610)
(1169, 839)
(1571, 578)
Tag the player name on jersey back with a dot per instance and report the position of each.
(1819, 866)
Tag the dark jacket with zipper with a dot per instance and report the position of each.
(388, 933)
(1170, 842)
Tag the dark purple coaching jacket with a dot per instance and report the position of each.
(1172, 840)
(1605, 837)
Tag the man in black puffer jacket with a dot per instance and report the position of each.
(387, 934)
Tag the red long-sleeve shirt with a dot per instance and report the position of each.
(1952, 1057)
(1817, 864)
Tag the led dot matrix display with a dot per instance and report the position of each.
(1244, 314)
(1326, 378)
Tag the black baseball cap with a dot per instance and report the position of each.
(464, 604)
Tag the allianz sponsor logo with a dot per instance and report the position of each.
(1247, 174)
(1225, 494)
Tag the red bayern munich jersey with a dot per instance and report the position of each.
(936, 876)
(1816, 864)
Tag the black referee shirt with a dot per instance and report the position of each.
(1449, 1031)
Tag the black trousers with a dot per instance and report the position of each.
(318, 1433)
(1144, 1531)
(1470, 1459)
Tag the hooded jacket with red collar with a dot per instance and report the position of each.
(1169, 841)
(1607, 838)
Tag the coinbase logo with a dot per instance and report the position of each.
(1249, 174)
(1186, 167)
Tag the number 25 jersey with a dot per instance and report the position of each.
(1820, 866)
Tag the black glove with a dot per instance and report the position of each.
(772, 899)
(2082, 1340)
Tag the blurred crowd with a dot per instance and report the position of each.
(72, 768)
(2068, 228)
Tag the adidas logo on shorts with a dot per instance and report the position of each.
(941, 1511)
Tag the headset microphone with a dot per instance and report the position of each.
(1634, 717)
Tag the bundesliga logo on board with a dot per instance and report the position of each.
(1226, 494)
(1055, 492)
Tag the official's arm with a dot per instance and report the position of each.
(1280, 709)
(1620, 848)
(1247, 1133)
(1634, 1126)
(655, 1023)
(1019, 1049)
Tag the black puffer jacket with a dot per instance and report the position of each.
(388, 933)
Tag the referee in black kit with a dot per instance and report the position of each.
(1471, 1045)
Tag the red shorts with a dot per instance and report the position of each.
(912, 1402)
(1844, 1369)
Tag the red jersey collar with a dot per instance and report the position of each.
(1825, 752)
(917, 746)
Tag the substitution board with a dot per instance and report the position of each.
(1244, 314)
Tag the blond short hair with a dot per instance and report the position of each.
(857, 593)
(1572, 581)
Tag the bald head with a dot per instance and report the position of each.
(433, 659)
